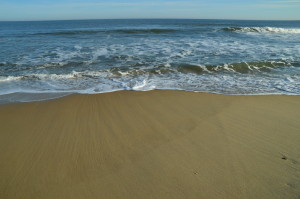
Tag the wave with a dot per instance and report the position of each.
(41, 76)
(120, 31)
(263, 30)
(256, 78)
(186, 68)
(243, 68)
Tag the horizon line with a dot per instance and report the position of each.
(45, 20)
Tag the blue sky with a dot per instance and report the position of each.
(100, 9)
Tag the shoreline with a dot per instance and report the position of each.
(5, 100)
(155, 144)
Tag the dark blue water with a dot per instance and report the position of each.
(94, 56)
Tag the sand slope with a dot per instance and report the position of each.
(157, 144)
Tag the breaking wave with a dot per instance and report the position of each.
(263, 30)
(185, 68)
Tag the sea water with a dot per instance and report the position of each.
(46, 59)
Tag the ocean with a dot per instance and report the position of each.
(47, 59)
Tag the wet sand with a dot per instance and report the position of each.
(156, 144)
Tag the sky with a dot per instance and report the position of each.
(27, 10)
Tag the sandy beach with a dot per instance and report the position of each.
(154, 144)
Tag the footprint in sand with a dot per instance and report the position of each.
(283, 157)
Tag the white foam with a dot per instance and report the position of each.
(270, 30)
(9, 78)
(140, 85)
(77, 47)
(99, 52)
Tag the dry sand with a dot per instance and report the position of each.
(156, 144)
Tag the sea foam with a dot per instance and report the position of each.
(263, 30)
